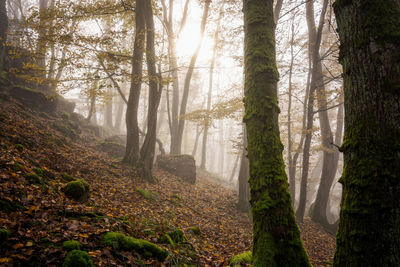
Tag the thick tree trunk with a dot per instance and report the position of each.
(132, 127)
(276, 237)
(369, 226)
(3, 32)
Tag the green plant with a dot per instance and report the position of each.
(71, 245)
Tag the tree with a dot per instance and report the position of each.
(276, 237)
(3, 32)
(132, 128)
(369, 230)
(316, 82)
(155, 89)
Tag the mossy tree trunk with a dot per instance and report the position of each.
(276, 240)
(132, 126)
(369, 226)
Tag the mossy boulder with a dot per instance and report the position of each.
(183, 166)
(196, 230)
(71, 245)
(245, 257)
(77, 190)
(120, 241)
(173, 237)
(4, 234)
(78, 258)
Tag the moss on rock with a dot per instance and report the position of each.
(71, 245)
(4, 234)
(146, 193)
(78, 258)
(244, 257)
(173, 237)
(77, 190)
(69, 178)
(34, 178)
(120, 241)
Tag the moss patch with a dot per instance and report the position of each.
(120, 241)
(244, 257)
(17, 167)
(173, 237)
(78, 258)
(146, 194)
(196, 230)
(71, 245)
(77, 190)
(34, 178)
(4, 234)
(68, 178)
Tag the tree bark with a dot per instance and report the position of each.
(276, 237)
(3, 33)
(316, 82)
(369, 228)
(41, 42)
(132, 127)
(148, 149)
(330, 161)
(243, 178)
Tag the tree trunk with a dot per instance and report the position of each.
(330, 161)
(108, 112)
(316, 82)
(41, 42)
(155, 89)
(369, 228)
(210, 86)
(188, 77)
(243, 178)
(276, 237)
(132, 127)
(3, 32)
(196, 143)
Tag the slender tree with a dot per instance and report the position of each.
(3, 32)
(276, 237)
(369, 229)
(132, 128)
(148, 148)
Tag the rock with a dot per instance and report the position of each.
(78, 258)
(147, 249)
(114, 149)
(77, 190)
(34, 99)
(64, 105)
(183, 166)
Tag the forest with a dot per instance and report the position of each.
(200, 133)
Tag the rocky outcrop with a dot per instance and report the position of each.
(183, 166)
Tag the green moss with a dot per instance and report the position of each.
(120, 241)
(173, 237)
(8, 206)
(77, 190)
(18, 167)
(196, 230)
(38, 171)
(19, 147)
(245, 257)
(34, 178)
(68, 178)
(4, 234)
(65, 115)
(71, 245)
(78, 258)
(146, 193)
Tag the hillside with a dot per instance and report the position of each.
(40, 217)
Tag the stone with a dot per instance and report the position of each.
(183, 166)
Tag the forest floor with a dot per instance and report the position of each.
(40, 217)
